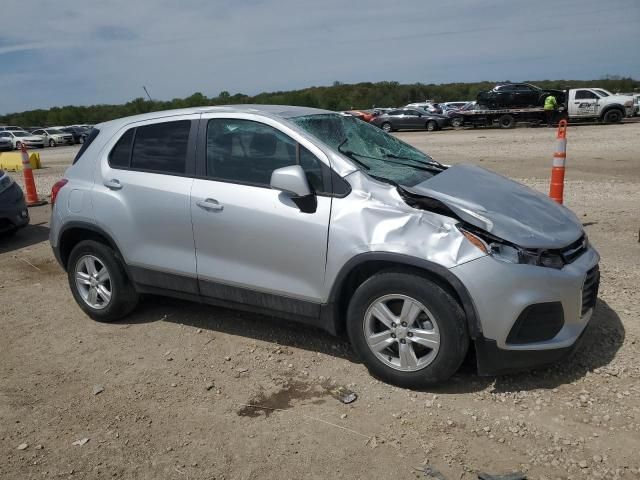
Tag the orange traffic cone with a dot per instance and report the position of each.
(29, 182)
(556, 189)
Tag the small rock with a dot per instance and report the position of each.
(80, 442)
(199, 330)
(98, 389)
(23, 446)
(39, 447)
(209, 386)
(242, 370)
(174, 384)
(343, 416)
(227, 359)
(597, 458)
(583, 464)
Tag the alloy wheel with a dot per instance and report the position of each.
(401, 332)
(93, 282)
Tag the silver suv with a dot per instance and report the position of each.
(321, 218)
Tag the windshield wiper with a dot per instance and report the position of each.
(431, 162)
(352, 155)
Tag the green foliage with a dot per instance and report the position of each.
(338, 96)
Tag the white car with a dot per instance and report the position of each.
(53, 137)
(19, 138)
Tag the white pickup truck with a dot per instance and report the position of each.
(597, 103)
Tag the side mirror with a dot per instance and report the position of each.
(291, 180)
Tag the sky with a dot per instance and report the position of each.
(104, 51)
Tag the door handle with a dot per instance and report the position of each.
(113, 184)
(210, 205)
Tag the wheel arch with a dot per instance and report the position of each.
(613, 106)
(364, 265)
(75, 232)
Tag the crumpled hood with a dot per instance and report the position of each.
(502, 207)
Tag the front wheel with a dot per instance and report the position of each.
(431, 126)
(99, 283)
(456, 122)
(408, 330)
(52, 143)
(18, 145)
(612, 116)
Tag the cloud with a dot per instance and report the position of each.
(105, 51)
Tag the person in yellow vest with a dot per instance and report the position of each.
(550, 107)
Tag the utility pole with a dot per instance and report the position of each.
(147, 92)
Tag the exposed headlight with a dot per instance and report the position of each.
(509, 253)
(5, 181)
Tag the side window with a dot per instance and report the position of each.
(247, 152)
(244, 151)
(161, 147)
(120, 154)
(585, 95)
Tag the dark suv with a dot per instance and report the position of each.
(512, 95)
(79, 134)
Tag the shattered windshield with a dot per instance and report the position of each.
(378, 154)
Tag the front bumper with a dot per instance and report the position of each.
(502, 292)
(13, 209)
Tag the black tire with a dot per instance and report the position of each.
(507, 121)
(52, 143)
(124, 297)
(431, 126)
(613, 116)
(457, 122)
(81, 140)
(386, 126)
(447, 313)
(18, 145)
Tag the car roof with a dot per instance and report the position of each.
(281, 111)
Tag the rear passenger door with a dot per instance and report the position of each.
(141, 198)
(254, 245)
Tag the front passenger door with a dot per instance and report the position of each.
(254, 245)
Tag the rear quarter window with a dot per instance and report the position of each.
(93, 134)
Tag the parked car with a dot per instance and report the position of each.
(318, 217)
(362, 115)
(79, 134)
(53, 137)
(13, 210)
(455, 116)
(426, 106)
(18, 137)
(11, 128)
(5, 143)
(411, 119)
(512, 95)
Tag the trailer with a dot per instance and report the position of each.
(504, 117)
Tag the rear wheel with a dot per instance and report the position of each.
(613, 116)
(431, 126)
(507, 121)
(99, 283)
(408, 330)
(386, 126)
(456, 122)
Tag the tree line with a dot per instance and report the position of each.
(339, 96)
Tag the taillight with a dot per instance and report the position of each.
(56, 188)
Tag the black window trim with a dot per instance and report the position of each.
(201, 160)
(190, 160)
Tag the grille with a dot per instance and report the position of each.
(574, 250)
(590, 290)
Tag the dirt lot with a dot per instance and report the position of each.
(176, 375)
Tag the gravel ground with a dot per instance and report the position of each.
(163, 394)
